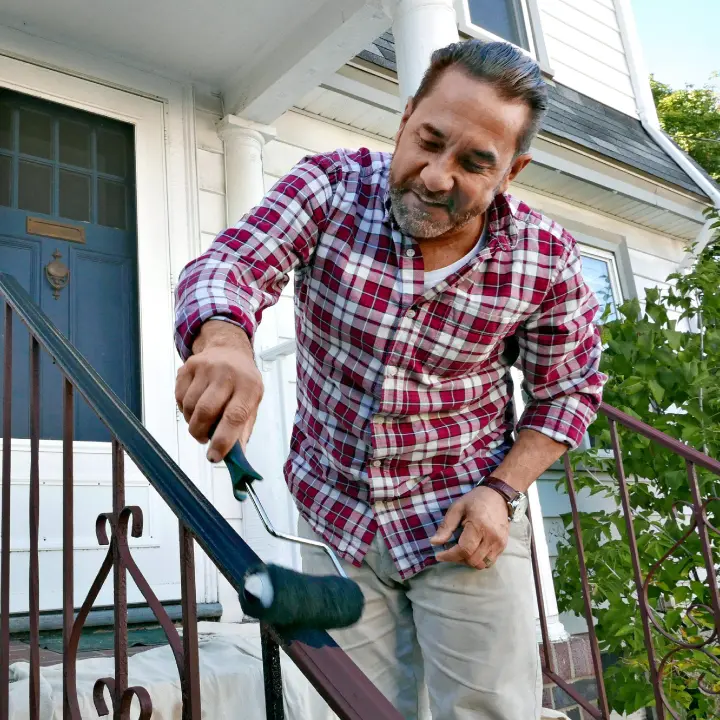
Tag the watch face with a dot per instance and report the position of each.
(519, 505)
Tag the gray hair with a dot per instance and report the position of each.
(514, 75)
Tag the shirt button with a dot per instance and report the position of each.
(410, 252)
(410, 314)
(392, 371)
(376, 463)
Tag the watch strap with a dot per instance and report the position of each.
(500, 486)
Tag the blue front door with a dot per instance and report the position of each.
(67, 233)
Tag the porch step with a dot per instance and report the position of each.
(231, 680)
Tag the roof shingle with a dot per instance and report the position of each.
(585, 122)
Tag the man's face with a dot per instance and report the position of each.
(455, 151)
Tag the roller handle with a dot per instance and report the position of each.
(241, 472)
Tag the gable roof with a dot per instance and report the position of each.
(585, 122)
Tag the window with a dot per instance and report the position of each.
(502, 18)
(515, 21)
(600, 273)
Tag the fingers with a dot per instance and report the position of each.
(449, 524)
(236, 423)
(468, 544)
(478, 547)
(219, 386)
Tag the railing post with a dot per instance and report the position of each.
(272, 674)
(5, 530)
(190, 677)
(702, 529)
(120, 629)
(587, 598)
(68, 542)
(34, 504)
(637, 570)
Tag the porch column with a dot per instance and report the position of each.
(244, 179)
(419, 28)
(556, 629)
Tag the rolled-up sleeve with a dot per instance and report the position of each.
(246, 268)
(560, 350)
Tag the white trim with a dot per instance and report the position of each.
(153, 235)
(556, 629)
(168, 236)
(611, 259)
(550, 160)
(530, 24)
(645, 104)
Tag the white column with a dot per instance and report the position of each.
(244, 188)
(244, 179)
(419, 28)
(556, 629)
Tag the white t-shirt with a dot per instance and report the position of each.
(434, 277)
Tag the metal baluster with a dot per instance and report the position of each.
(68, 579)
(637, 571)
(190, 676)
(272, 674)
(702, 531)
(120, 629)
(34, 578)
(587, 597)
(547, 655)
(5, 530)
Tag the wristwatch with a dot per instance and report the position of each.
(517, 501)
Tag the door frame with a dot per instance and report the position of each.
(167, 217)
(152, 231)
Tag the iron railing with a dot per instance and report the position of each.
(339, 682)
(653, 628)
(346, 690)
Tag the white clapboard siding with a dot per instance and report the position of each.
(586, 50)
(210, 166)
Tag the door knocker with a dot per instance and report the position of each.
(57, 274)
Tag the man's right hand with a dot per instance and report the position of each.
(220, 382)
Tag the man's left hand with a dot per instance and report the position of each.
(483, 514)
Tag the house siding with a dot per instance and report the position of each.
(210, 166)
(586, 51)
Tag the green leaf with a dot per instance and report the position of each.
(656, 390)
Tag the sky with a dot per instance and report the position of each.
(680, 39)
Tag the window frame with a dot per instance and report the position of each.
(531, 24)
(592, 251)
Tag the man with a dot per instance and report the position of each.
(419, 282)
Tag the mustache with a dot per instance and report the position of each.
(442, 199)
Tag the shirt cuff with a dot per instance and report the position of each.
(564, 420)
(189, 323)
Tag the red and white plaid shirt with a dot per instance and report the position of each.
(404, 396)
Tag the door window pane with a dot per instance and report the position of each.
(500, 17)
(35, 187)
(111, 204)
(5, 180)
(111, 153)
(6, 139)
(74, 144)
(74, 196)
(35, 134)
(597, 274)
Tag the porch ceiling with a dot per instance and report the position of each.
(205, 41)
(257, 53)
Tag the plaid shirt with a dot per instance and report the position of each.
(404, 396)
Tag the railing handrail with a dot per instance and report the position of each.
(641, 428)
(326, 666)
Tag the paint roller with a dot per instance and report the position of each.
(282, 597)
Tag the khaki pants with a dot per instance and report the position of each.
(451, 643)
